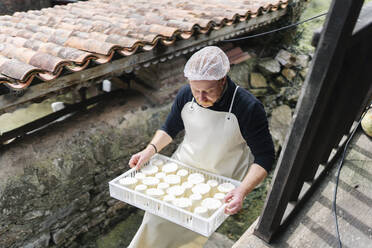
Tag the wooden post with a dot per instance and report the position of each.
(317, 88)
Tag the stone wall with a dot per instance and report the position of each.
(54, 182)
(8, 7)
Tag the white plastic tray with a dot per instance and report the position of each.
(204, 226)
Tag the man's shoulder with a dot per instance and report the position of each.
(246, 99)
(184, 93)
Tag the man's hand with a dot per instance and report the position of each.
(235, 201)
(140, 158)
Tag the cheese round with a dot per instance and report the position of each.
(163, 186)
(183, 174)
(157, 162)
(139, 176)
(151, 182)
(141, 188)
(184, 203)
(219, 196)
(213, 183)
(225, 187)
(170, 168)
(149, 170)
(169, 198)
(201, 211)
(172, 179)
(211, 204)
(128, 182)
(201, 188)
(160, 176)
(156, 193)
(195, 200)
(176, 191)
(196, 178)
(187, 186)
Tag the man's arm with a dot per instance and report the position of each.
(160, 140)
(235, 198)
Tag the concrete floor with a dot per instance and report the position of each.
(314, 225)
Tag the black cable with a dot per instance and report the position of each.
(276, 30)
(338, 176)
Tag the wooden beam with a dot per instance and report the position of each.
(50, 118)
(310, 108)
(118, 66)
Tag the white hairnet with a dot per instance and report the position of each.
(209, 63)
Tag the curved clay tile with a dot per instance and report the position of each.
(16, 69)
(43, 42)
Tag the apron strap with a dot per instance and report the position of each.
(192, 104)
(232, 101)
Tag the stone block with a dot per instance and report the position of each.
(40, 242)
(302, 60)
(286, 58)
(258, 92)
(269, 66)
(289, 74)
(279, 122)
(258, 80)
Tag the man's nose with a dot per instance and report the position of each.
(203, 96)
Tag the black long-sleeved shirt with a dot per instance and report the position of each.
(249, 112)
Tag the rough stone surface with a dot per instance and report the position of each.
(258, 80)
(289, 74)
(286, 58)
(240, 73)
(218, 240)
(57, 188)
(269, 66)
(279, 123)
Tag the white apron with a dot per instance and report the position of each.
(212, 142)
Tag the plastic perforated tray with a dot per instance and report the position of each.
(196, 223)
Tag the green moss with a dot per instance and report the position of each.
(122, 233)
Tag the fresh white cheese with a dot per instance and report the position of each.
(150, 170)
(129, 182)
(202, 189)
(172, 179)
(157, 162)
(176, 191)
(141, 188)
(139, 176)
(187, 186)
(163, 186)
(201, 211)
(195, 200)
(151, 182)
(225, 187)
(184, 203)
(213, 184)
(183, 174)
(211, 204)
(170, 168)
(219, 196)
(196, 178)
(160, 176)
(156, 193)
(169, 198)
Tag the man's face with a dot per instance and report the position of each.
(207, 92)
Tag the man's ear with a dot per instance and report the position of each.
(224, 80)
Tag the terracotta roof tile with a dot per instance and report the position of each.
(43, 42)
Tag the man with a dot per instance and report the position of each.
(222, 123)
